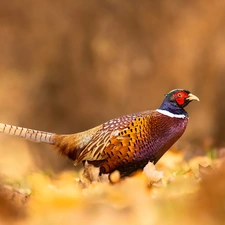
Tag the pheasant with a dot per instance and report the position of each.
(126, 143)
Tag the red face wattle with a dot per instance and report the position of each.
(180, 97)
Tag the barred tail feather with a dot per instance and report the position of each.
(30, 134)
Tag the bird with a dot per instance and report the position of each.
(126, 143)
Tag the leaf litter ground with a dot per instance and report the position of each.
(172, 192)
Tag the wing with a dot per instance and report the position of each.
(117, 140)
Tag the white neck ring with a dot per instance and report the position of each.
(167, 113)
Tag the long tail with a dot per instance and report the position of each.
(70, 145)
(30, 134)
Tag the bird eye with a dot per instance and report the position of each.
(179, 95)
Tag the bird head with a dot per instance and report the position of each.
(176, 100)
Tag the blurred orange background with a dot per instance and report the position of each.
(67, 66)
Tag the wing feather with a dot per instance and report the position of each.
(116, 139)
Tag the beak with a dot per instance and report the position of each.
(192, 97)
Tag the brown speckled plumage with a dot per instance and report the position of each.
(126, 143)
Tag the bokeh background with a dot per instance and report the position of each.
(66, 66)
